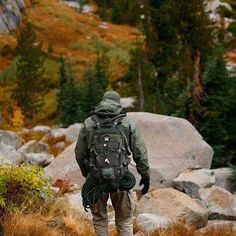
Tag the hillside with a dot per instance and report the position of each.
(66, 32)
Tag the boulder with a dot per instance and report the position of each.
(222, 178)
(75, 201)
(8, 154)
(190, 181)
(174, 205)
(42, 128)
(34, 146)
(54, 137)
(10, 14)
(41, 159)
(151, 222)
(220, 203)
(10, 138)
(21, 4)
(3, 26)
(72, 132)
(173, 145)
(65, 166)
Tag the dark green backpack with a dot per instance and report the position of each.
(109, 159)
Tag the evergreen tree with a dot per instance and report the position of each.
(117, 13)
(69, 98)
(217, 121)
(141, 76)
(95, 82)
(29, 70)
(175, 32)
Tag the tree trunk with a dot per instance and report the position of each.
(140, 88)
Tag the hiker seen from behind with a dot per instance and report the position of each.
(106, 140)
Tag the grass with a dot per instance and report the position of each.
(54, 220)
(60, 220)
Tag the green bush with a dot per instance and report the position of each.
(22, 186)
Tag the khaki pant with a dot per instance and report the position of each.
(124, 207)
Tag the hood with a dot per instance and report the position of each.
(108, 108)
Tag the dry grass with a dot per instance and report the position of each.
(60, 220)
(184, 230)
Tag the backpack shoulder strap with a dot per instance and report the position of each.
(96, 121)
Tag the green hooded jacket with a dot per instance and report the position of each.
(128, 128)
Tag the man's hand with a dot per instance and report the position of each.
(145, 181)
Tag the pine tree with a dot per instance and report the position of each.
(175, 32)
(29, 70)
(217, 121)
(69, 98)
(95, 82)
(117, 13)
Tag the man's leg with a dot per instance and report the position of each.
(100, 218)
(124, 208)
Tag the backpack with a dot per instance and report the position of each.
(108, 159)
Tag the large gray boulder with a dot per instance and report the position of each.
(9, 155)
(34, 146)
(3, 26)
(10, 14)
(190, 181)
(72, 132)
(174, 205)
(220, 203)
(65, 166)
(40, 159)
(151, 222)
(223, 178)
(10, 138)
(173, 145)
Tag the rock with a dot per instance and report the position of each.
(222, 178)
(34, 147)
(151, 222)
(69, 134)
(9, 155)
(3, 26)
(75, 201)
(21, 4)
(11, 139)
(60, 145)
(213, 6)
(172, 204)
(41, 159)
(220, 203)
(72, 132)
(65, 167)
(54, 137)
(128, 102)
(173, 145)
(55, 190)
(42, 128)
(10, 14)
(190, 181)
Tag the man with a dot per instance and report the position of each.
(89, 155)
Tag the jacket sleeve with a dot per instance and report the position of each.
(81, 151)
(139, 150)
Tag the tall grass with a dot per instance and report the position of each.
(54, 220)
